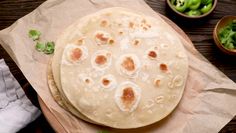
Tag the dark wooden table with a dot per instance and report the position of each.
(200, 32)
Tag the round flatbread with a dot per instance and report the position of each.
(122, 69)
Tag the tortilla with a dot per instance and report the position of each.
(144, 64)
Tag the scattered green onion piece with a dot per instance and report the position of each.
(34, 34)
(40, 47)
(49, 48)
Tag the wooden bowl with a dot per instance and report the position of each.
(221, 24)
(192, 17)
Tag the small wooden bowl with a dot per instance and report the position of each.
(221, 24)
(192, 17)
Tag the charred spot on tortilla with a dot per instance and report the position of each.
(128, 96)
(136, 42)
(101, 59)
(121, 32)
(163, 67)
(128, 64)
(76, 54)
(80, 41)
(87, 80)
(106, 82)
(157, 82)
(102, 37)
(104, 23)
(152, 54)
(111, 41)
(131, 25)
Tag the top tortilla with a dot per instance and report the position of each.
(122, 69)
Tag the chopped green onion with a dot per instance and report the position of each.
(40, 46)
(34, 34)
(49, 48)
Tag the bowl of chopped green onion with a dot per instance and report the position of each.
(225, 34)
(192, 8)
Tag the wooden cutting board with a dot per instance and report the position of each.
(56, 125)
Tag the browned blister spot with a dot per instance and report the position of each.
(76, 54)
(100, 60)
(87, 81)
(152, 54)
(104, 23)
(157, 82)
(128, 97)
(136, 42)
(105, 82)
(80, 41)
(121, 32)
(163, 67)
(101, 37)
(111, 41)
(131, 25)
(128, 64)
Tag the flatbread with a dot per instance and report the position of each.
(122, 69)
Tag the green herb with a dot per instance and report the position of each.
(40, 46)
(47, 48)
(227, 35)
(34, 34)
(50, 47)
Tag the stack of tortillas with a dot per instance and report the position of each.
(118, 68)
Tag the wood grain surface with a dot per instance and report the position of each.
(199, 31)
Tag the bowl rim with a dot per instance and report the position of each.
(216, 37)
(192, 17)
